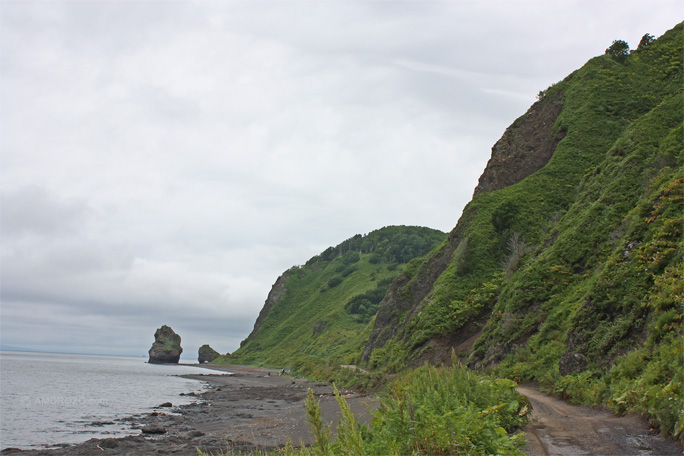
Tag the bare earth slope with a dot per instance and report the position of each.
(559, 428)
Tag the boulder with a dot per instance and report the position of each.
(166, 347)
(109, 443)
(151, 429)
(207, 354)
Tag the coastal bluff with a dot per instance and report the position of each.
(206, 354)
(166, 347)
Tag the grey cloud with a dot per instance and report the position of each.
(108, 27)
(32, 210)
(36, 326)
(161, 104)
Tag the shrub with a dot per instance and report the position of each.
(429, 411)
(335, 281)
(449, 411)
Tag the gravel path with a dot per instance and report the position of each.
(559, 428)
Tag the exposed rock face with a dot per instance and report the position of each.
(166, 347)
(207, 354)
(526, 146)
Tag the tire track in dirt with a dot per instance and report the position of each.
(557, 428)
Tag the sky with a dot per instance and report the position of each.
(163, 162)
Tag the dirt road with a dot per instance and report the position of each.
(559, 428)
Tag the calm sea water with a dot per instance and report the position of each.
(48, 398)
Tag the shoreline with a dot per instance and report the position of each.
(251, 408)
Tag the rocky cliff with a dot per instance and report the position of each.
(206, 354)
(166, 347)
(526, 146)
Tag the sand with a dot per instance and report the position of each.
(251, 409)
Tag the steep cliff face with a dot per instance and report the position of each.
(526, 146)
(470, 256)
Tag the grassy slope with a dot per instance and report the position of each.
(309, 323)
(596, 310)
(593, 308)
(611, 328)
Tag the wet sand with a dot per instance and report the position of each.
(251, 409)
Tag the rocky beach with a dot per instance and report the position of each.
(242, 409)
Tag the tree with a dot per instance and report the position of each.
(646, 40)
(619, 50)
(351, 256)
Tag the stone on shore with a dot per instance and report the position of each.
(151, 429)
(207, 354)
(166, 347)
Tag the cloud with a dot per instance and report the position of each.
(31, 211)
(165, 162)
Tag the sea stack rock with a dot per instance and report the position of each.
(166, 347)
(207, 354)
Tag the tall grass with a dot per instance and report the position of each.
(449, 411)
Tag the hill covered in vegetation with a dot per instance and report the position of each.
(565, 268)
(321, 311)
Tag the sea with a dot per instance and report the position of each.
(48, 398)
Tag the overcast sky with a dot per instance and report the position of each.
(164, 162)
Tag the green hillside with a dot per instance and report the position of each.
(566, 267)
(322, 310)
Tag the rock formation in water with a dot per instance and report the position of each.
(207, 354)
(166, 347)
